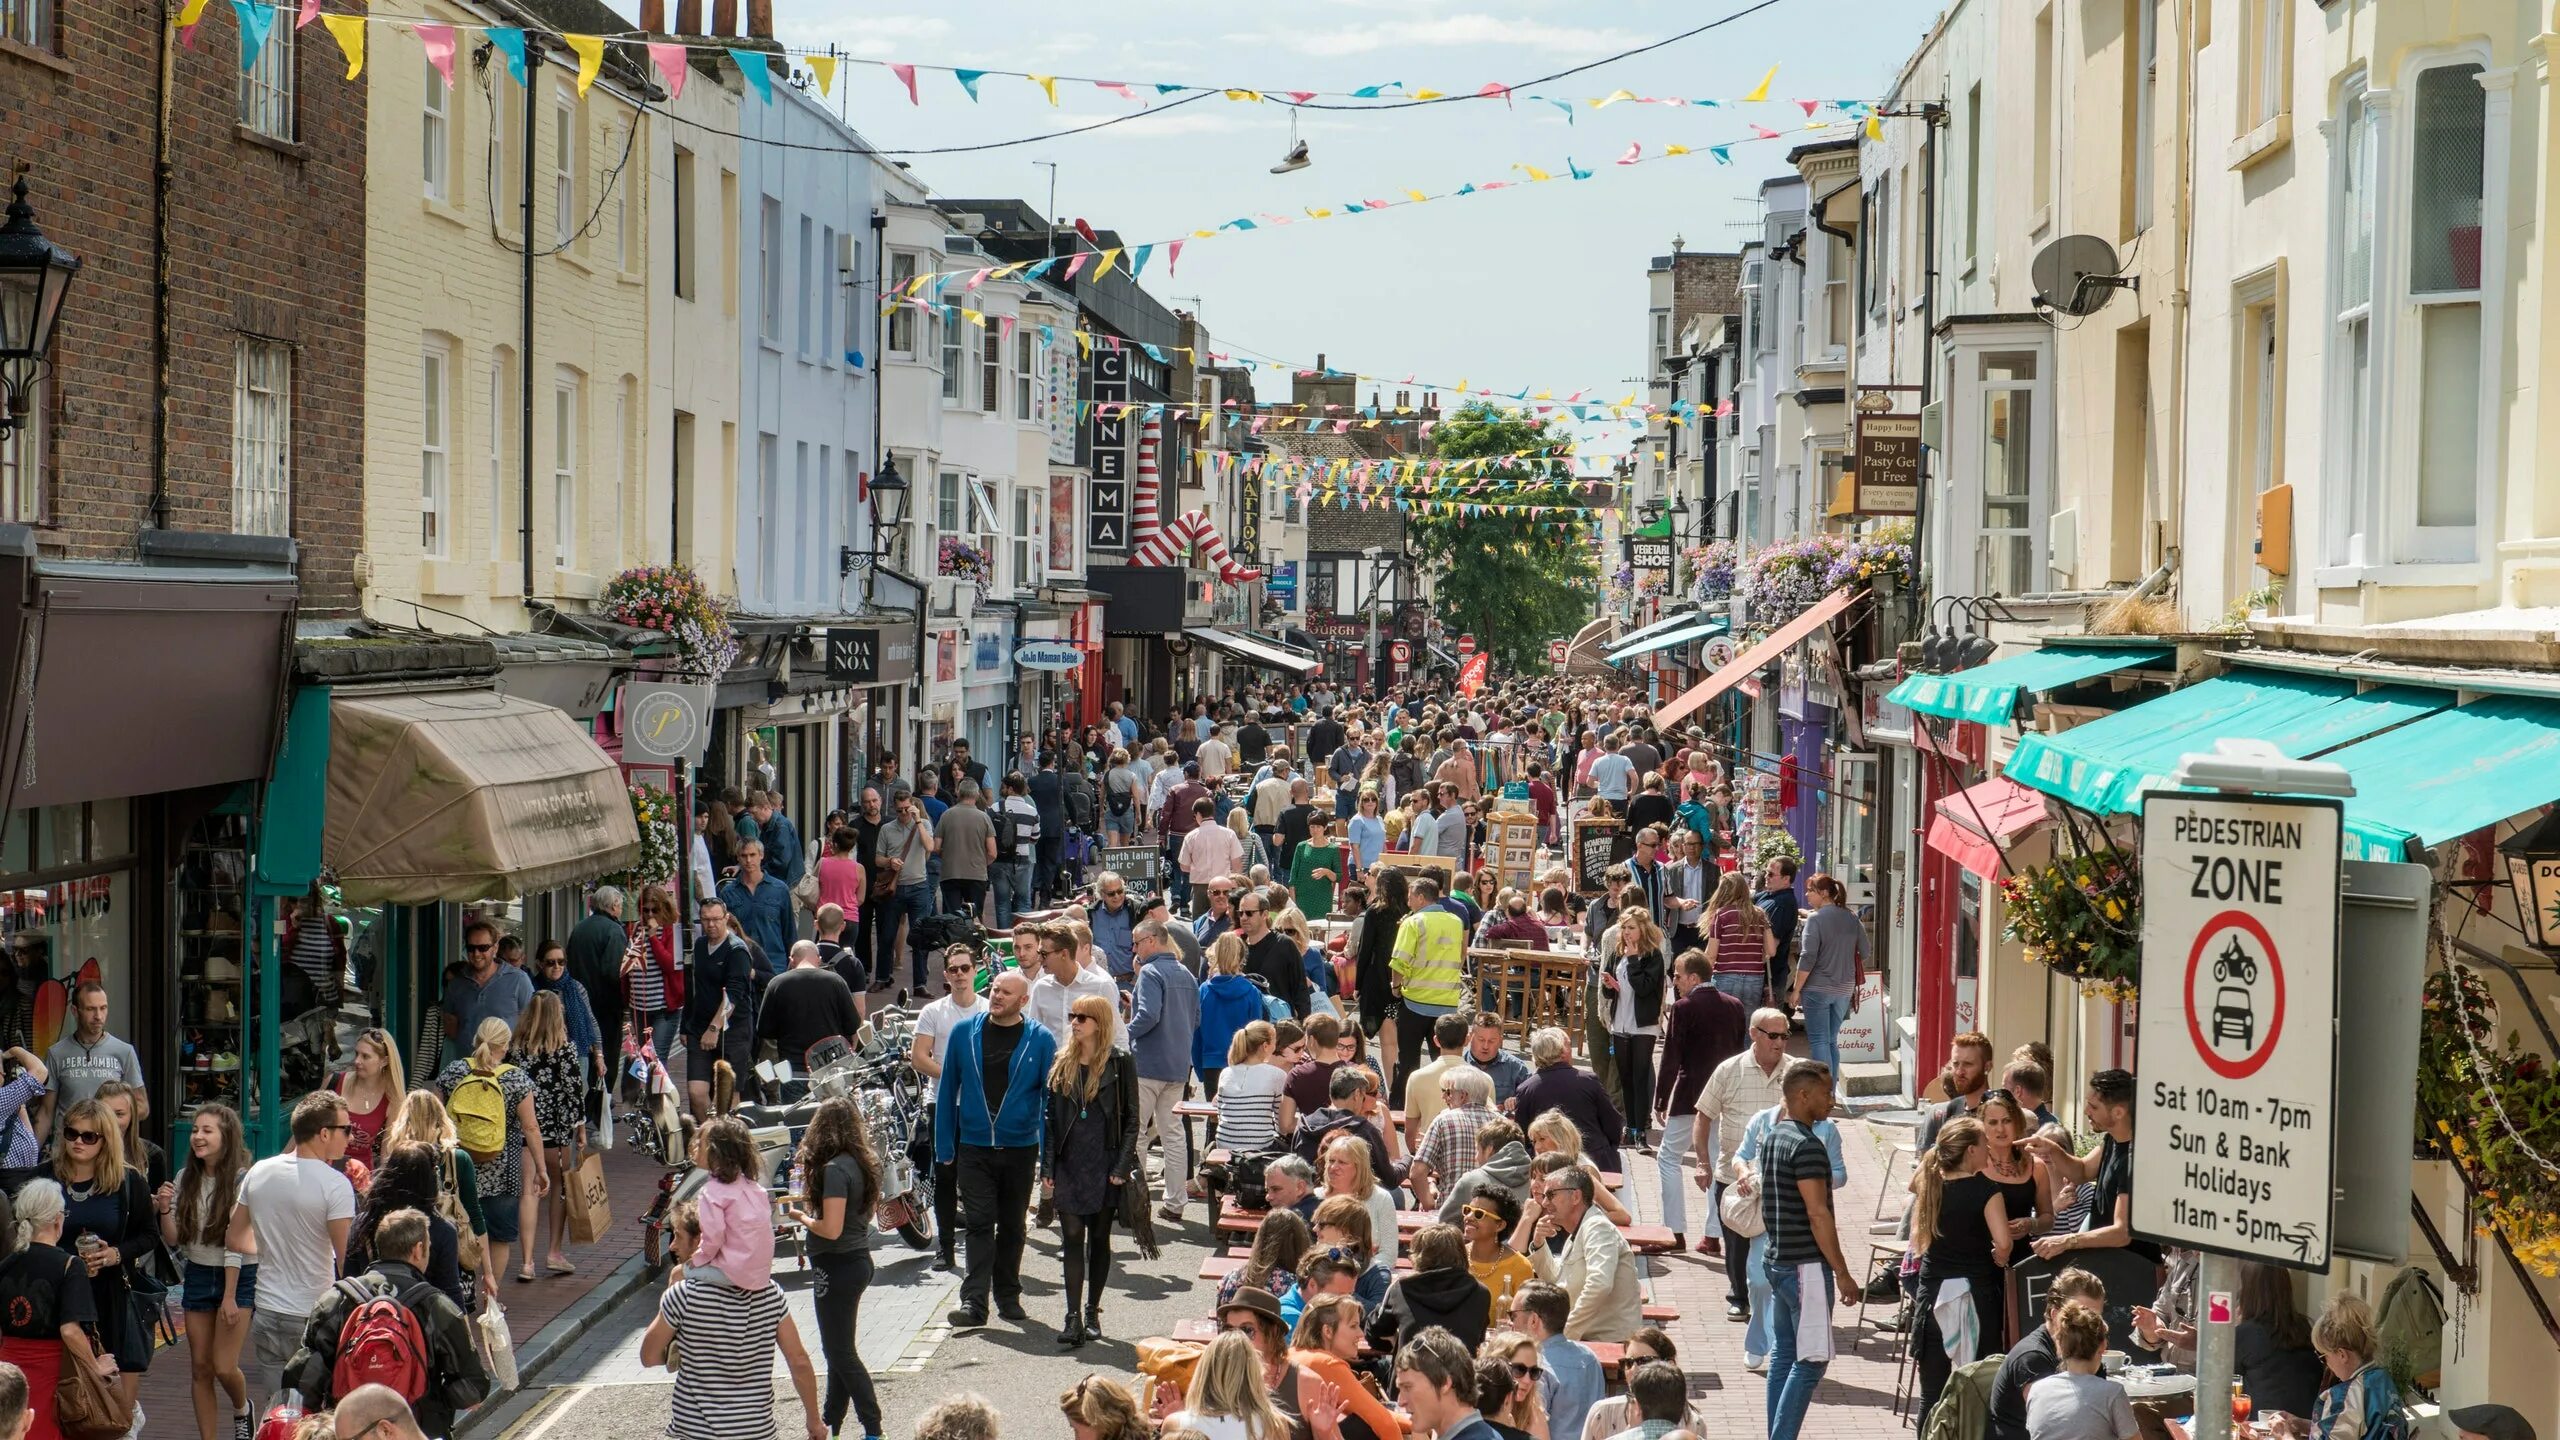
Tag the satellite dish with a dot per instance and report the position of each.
(2077, 274)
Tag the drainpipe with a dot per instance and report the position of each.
(879, 381)
(1930, 115)
(524, 371)
(156, 516)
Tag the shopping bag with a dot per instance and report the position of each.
(590, 1206)
(497, 1348)
(604, 1126)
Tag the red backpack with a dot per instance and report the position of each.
(382, 1343)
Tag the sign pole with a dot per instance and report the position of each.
(2217, 1279)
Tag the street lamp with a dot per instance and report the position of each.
(888, 512)
(2533, 861)
(34, 273)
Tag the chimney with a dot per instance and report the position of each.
(688, 17)
(653, 16)
(724, 18)
(760, 19)
(1320, 365)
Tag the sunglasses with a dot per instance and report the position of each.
(1081, 1020)
(1770, 1034)
(480, 949)
(1520, 1371)
(1241, 1327)
(1256, 910)
(83, 1137)
(1472, 1213)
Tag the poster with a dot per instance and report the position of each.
(1062, 525)
(946, 656)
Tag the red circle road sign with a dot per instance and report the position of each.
(1400, 652)
(2223, 935)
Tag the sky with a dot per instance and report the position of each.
(1539, 286)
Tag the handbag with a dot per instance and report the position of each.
(470, 1251)
(87, 1406)
(806, 891)
(1739, 1207)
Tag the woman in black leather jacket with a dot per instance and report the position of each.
(1088, 1152)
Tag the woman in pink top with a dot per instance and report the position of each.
(737, 1214)
(840, 875)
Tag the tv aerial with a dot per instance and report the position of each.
(2078, 274)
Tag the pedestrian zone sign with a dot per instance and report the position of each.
(2237, 1042)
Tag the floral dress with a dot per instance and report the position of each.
(559, 1093)
(502, 1178)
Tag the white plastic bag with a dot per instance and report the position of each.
(604, 1125)
(497, 1347)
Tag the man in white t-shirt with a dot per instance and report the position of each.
(932, 1042)
(1214, 754)
(1064, 975)
(293, 1214)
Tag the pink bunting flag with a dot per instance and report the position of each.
(1301, 96)
(1764, 132)
(671, 66)
(907, 76)
(438, 43)
(1172, 257)
(1116, 87)
(310, 12)
(1259, 422)
(1809, 107)
(976, 279)
(1341, 427)
(1076, 261)
(1496, 87)
(1635, 151)
(1004, 327)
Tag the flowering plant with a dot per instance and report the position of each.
(960, 558)
(1711, 570)
(1774, 842)
(1785, 580)
(654, 811)
(673, 600)
(2082, 915)
(2494, 1110)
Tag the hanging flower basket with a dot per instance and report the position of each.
(672, 600)
(2492, 1108)
(654, 811)
(961, 560)
(1783, 581)
(2081, 916)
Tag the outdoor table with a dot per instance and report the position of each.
(2156, 1387)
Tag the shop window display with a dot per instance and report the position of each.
(208, 902)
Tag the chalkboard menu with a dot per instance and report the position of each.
(1597, 845)
(1142, 866)
(2131, 1279)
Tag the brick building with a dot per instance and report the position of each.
(236, 406)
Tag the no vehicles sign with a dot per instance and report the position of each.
(2238, 1038)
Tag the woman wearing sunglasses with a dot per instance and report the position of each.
(1507, 1387)
(1088, 1151)
(109, 1223)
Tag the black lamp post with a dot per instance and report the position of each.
(34, 274)
(888, 513)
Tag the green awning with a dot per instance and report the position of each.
(2450, 774)
(1689, 634)
(1989, 693)
(2106, 765)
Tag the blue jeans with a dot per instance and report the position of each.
(1746, 988)
(1755, 1336)
(1792, 1379)
(1824, 1014)
(914, 904)
(1012, 880)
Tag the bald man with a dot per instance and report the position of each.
(375, 1412)
(987, 1118)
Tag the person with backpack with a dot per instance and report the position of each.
(391, 1326)
(1015, 873)
(492, 1106)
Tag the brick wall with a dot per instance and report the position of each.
(264, 239)
(1703, 283)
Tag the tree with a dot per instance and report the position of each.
(1512, 581)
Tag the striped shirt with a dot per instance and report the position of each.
(1793, 1153)
(1249, 1107)
(725, 1349)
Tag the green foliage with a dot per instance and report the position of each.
(1511, 581)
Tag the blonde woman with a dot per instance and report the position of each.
(423, 1120)
(507, 1172)
(1088, 1151)
(1554, 1133)
(1254, 1109)
(109, 1223)
(1739, 938)
(549, 1059)
(1633, 982)
(44, 1330)
(1228, 1399)
(1507, 1391)
(1346, 1171)
(371, 1085)
(1257, 856)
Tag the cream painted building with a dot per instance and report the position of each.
(473, 511)
(688, 510)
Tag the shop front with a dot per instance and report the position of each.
(875, 660)
(1149, 663)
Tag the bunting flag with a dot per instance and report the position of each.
(1760, 91)
(193, 12)
(907, 76)
(510, 42)
(1048, 85)
(590, 52)
(310, 12)
(256, 20)
(968, 81)
(824, 68)
(670, 63)
(757, 66)
(348, 31)
(1172, 256)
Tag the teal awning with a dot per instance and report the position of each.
(1662, 626)
(2106, 765)
(2450, 774)
(1689, 634)
(1989, 693)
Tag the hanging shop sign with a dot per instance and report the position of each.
(1283, 584)
(666, 722)
(1107, 501)
(1887, 452)
(1652, 555)
(2234, 1109)
(1050, 655)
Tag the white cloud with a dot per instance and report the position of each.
(1446, 30)
(876, 37)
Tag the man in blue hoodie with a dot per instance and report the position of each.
(988, 1115)
(1161, 1034)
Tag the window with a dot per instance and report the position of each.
(2448, 191)
(22, 462)
(828, 535)
(28, 22)
(982, 515)
(622, 208)
(1661, 342)
(680, 472)
(769, 272)
(827, 298)
(1028, 503)
(1023, 371)
(1876, 255)
(951, 376)
(435, 135)
(797, 541)
(266, 83)
(808, 289)
(683, 201)
(719, 260)
(567, 401)
(1835, 293)
(946, 502)
(502, 433)
(1751, 303)
(2040, 139)
(2142, 86)
(768, 517)
(2012, 512)
(2259, 424)
(565, 221)
(261, 438)
(626, 479)
(435, 460)
(2263, 41)
(990, 368)
(902, 321)
(846, 279)
(2347, 537)
(1972, 176)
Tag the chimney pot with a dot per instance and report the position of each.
(653, 16)
(724, 18)
(760, 19)
(688, 17)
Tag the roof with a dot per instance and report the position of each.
(1352, 444)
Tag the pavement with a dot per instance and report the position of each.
(594, 1385)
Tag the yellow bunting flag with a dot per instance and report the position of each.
(1102, 262)
(1204, 234)
(974, 317)
(1761, 91)
(1534, 172)
(1875, 127)
(1253, 95)
(590, 52)
(348, 31)
(1428, 95)
(1416, 196)
(1315, 213)
(1612, 98)
(1048, 84)
(824, 67)
(193, 13)
(1675, 149)
(1084, 342)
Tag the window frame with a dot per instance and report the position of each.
(902, 320)
(568, 421)
(955, 386)
(435, 450)
(769, 271)
(2350, 418)
(1024, 372)
(35, 24)
(268, 97)
(567, 141)
(25, 455)
(684, 194)
(435, 136)
(950, 503)
(990, 368)
(262, 437)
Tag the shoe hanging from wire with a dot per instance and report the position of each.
(1296, 159)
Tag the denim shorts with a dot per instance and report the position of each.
(203, 1294)
(506, 1222)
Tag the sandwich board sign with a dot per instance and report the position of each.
(2235, 1089)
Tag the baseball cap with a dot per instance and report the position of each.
(2497, 1422)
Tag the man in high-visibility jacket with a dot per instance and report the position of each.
(1431, 950)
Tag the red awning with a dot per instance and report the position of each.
(1750, 662)
(2003, 805)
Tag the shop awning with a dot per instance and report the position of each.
(2105, 766)
(468, 795)
(1254, 650)
(1973, 824)
(1988, 694)
(1651, 628)
(2450, 774)
(1692, 630)
(1752, 661)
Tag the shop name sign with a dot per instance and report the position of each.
(1653, 555)
(1052, 655)
(1887, 463)
(2235, 1105)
